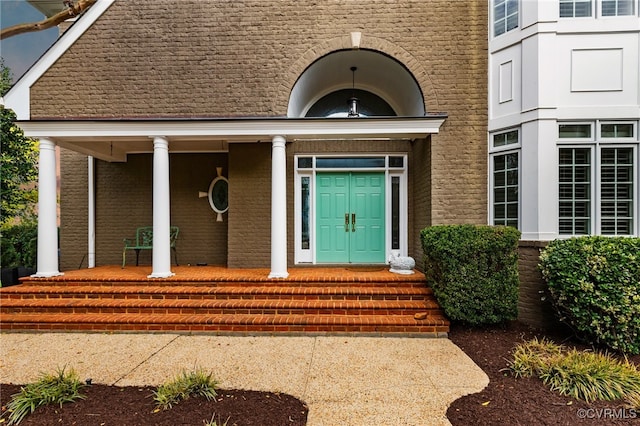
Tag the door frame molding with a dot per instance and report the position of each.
(307, 172)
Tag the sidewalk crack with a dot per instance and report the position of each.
(145, 360)
(306, 382)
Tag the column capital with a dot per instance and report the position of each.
(46, 143)
(279, 141)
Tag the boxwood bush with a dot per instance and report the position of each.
(594, 283)
(473, 271)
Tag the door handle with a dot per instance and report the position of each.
(346, 222)
(353, 222)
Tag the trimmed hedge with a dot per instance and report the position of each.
(594, 284)
(19, 245)
(473, 271)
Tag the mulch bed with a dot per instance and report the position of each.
(505, 401)
(524, 401)
(134, 406)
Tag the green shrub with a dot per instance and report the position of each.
(591, 376)
(594, 284)
(18, 245)
(56, 388)
(532, 358)
(185, 385)
(473, 271)
(588, 376)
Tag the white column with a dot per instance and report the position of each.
(91, 231)
(47, 212)
(278, 208)
(161, 257)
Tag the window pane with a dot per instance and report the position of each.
(396, 161)
(574, 191)
(395, 213)
(626, 7)
(512, 22)
(617, 130)
(582, 8)
(505, 189)
(499, 11)
(575, 8)
(608, 8)
(305, 195)
(566, 9)
(505, 16)
(507, 138)
(305, 162)
(616, 191)
(617, 7)
(349, 163)
(574, 131)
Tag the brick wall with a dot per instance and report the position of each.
(420, 202)
(124, 202)
(249, 244)
(532, 309)
(73, 210)
(163, 58)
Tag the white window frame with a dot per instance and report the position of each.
(617, 2)
(598, 224)
(592, 190)
(596, 143)
(577, 123)
(308, 256)
(504, 150)
(633, 137)
(573, 2)
(503, 3)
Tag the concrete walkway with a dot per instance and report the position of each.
(344, 380)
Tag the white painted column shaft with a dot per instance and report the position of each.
(91, 231)
(47, 212)
(278, 208)
(161, 257)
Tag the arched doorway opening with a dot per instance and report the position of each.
(381, 83)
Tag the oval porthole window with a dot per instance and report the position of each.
(219, 195)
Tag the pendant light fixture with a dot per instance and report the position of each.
(353, 101)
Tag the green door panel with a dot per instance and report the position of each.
(367, 202)
(332, 202)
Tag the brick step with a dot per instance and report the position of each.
(387, 324)
(343, 292)
(226, 282)
(219, 300)
(225, 306)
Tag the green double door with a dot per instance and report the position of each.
(350, 223)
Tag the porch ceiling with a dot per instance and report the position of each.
(112, 140)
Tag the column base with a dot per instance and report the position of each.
(161, 275)
(46, 274)
(278, 275)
